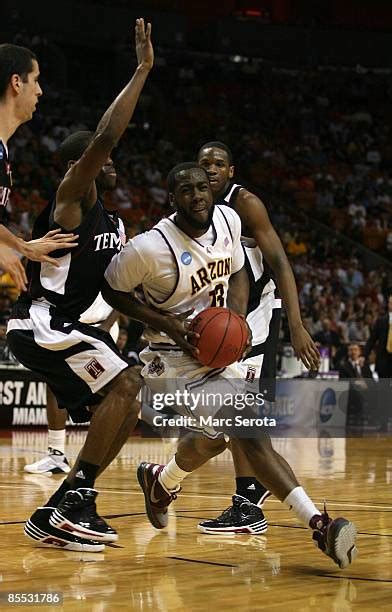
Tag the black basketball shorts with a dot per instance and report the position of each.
(75, 359)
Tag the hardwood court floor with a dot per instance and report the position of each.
(182, 570)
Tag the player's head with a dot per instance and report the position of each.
(191, 196)
(72, 149)
(19, 73)
(216, 159)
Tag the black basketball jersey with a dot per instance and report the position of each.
(5, 178)
(259, 273)
(74, 285)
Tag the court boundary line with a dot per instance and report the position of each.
(203, 562)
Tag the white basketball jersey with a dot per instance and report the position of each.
(202, 270)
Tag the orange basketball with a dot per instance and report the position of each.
(223, 336)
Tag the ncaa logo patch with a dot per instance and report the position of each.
(94, 368)
(186, 258)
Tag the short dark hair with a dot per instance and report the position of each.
(73, 147)
(172, 176)
(14, 60)
(217, 145)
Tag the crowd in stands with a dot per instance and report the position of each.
(316, 145)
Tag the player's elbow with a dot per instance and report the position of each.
(106, 139)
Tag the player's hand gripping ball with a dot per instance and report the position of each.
(223, 337)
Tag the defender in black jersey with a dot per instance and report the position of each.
(78, 360)
(265, 260)
(19, 94)
(98, 314)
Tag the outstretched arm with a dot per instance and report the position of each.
(78, 183)
(255, 217)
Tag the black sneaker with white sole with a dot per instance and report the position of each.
(241, 517)
(77, 514)
(43, 534)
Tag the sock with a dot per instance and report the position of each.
(301, 504)
(252, 489)
(171, 476)
(54, 501)
(56, 439)
(85, 476)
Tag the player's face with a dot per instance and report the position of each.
(107, 178)
(193, 199)
(390, 303)
(29, 93)
(216, 163)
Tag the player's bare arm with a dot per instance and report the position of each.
(257, 224)
(174, 326)
(238, 292)
(237, 299)
(77, 192)
(36, 250)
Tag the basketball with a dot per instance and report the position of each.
(223, 336)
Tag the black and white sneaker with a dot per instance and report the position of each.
(38, 529)
(77, 514)
(241, 517)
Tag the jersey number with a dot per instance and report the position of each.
(218, 296)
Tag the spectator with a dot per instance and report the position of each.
(381, 340)
(328, 338)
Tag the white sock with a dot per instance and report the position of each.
(56, 439)
(301, 504)
(172, 475)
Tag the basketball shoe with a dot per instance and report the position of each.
(241, 517)
(77, 514)
(55, 462)
(39, 529)
(335, 537)
(156, 498)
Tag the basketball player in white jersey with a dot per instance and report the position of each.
(19, 95)
(174, 264)
(265, 261)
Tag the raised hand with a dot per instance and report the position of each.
(37, 250)
(144, 48)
